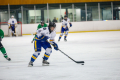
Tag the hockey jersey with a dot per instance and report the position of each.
(45, 32)
(1, 33)
(65, 23)
(12, 21)
(39, 26)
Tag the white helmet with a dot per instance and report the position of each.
(12, 16)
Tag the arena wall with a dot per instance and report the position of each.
(86, 26)
(79, 26)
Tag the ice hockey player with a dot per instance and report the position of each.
(12, 24)
(40, 26)
(64, 27)
(41, 40)
(2, 49)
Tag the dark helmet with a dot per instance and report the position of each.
(42, 22)
(65, 16)
(52, 24)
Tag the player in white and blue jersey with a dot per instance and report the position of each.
(12, 24)
(41, 41)
(65, 28)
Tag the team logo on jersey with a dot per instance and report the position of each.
(44, 28)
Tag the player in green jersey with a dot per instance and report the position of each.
(2, 49)
(42, 25)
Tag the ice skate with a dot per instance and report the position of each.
(58, 40)
(45, 63)
(30, 64)
(8, 59)
(65, 39)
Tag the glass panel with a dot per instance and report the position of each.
(4, 15)
(54, 13)
(66, 9)
(28, 14)
(116, 10)
(79, 12)
(15, 10)
(92, 12)
(41, 13)
(105, 11)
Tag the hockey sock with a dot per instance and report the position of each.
(34, 56)
(46, 56)
(66, 33)
(65, 36)
(47, 53)
(4, 52)
(60, 37)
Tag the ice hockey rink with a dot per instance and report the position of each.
(99, 50)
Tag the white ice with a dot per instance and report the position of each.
(99, 50)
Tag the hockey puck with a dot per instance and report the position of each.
(82, 64)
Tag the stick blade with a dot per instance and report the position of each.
(79, 61)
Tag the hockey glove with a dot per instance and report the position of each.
(55, 46)
(70, 24)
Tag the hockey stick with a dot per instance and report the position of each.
(69, 56)
(32, 40)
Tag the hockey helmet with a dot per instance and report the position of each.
(42, 22)
(12, 16)
(65, 16)
(52, 24)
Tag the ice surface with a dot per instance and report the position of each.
(99, 50)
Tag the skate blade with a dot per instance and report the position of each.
(45, 64)
(30, 66)
(65, 40)
(9, 60)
